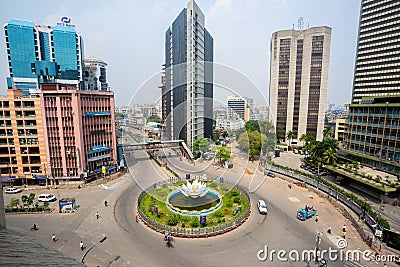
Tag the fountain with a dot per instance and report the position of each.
(194, 199)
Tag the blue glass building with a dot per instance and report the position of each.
(188, 90)
(38, 54)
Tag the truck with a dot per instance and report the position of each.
(304, 214)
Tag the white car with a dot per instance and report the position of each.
(13, 190)
(216, 167)
(262, 208)
(46, 198)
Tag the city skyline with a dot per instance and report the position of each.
(243, 37)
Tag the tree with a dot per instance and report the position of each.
(280, 133)
(328, 132)
(290, 135)
(153, 118)
(14, 202)
(223, 153)
(201, 145)
(252, 125)
(31, 198)
(243, 142)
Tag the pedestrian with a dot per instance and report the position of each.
(344, 234)
(137, 218)
(105, 203)
(290, 185)
(97, 214)
(82, 246)
(316, 218)
(54, 238)
(344, 228)
(384, 265)
(329, 230)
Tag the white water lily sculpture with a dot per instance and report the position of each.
(195, 189)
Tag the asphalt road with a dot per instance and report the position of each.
(132, 244)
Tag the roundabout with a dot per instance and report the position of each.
(193, 209)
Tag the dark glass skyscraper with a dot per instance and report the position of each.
(188, 91)
(38, 54)
(373, 131)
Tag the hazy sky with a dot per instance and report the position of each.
(129, 35)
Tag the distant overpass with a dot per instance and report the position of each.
(153, 145)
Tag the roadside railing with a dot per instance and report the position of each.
(194, 232)
(332, 194)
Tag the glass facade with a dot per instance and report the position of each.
(188, 94)
(39, 54)
(22, 47)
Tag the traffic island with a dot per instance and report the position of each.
(193, 209)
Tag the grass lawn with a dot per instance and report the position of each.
(231, 199)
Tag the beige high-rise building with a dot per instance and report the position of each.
(299, 80)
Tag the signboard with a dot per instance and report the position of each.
(8, 179)
(203, 219)
(156, 210)
(65, 21)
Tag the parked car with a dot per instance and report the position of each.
(47, 198)
(12, 190)
(301, 152)
(295, 151)
(270, 174)
(216, 167)
(262, 208)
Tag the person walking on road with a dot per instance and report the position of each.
(329, 230)
(97, 215)
(54, 238)
(344, 228)
(316, 218)
(344, 234)
(82, 245)
(105, 203)
(137, 218)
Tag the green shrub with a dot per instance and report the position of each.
(183, 225)
(234, 193)
(172, 221)
(219, 213)
(194, 223)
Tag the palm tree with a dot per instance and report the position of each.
(328, 132)
(290, 136)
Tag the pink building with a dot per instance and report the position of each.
(79, 132)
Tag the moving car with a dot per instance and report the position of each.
(262, 208)
(270, 174)
(46, 198)
(13, 190)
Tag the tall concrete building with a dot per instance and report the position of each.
(79, 131)
(188, 86)
(95, 74)
(373, 125)
(22, 144)
(299, 80)
(39, 54)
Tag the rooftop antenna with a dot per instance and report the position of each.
(300, 23)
